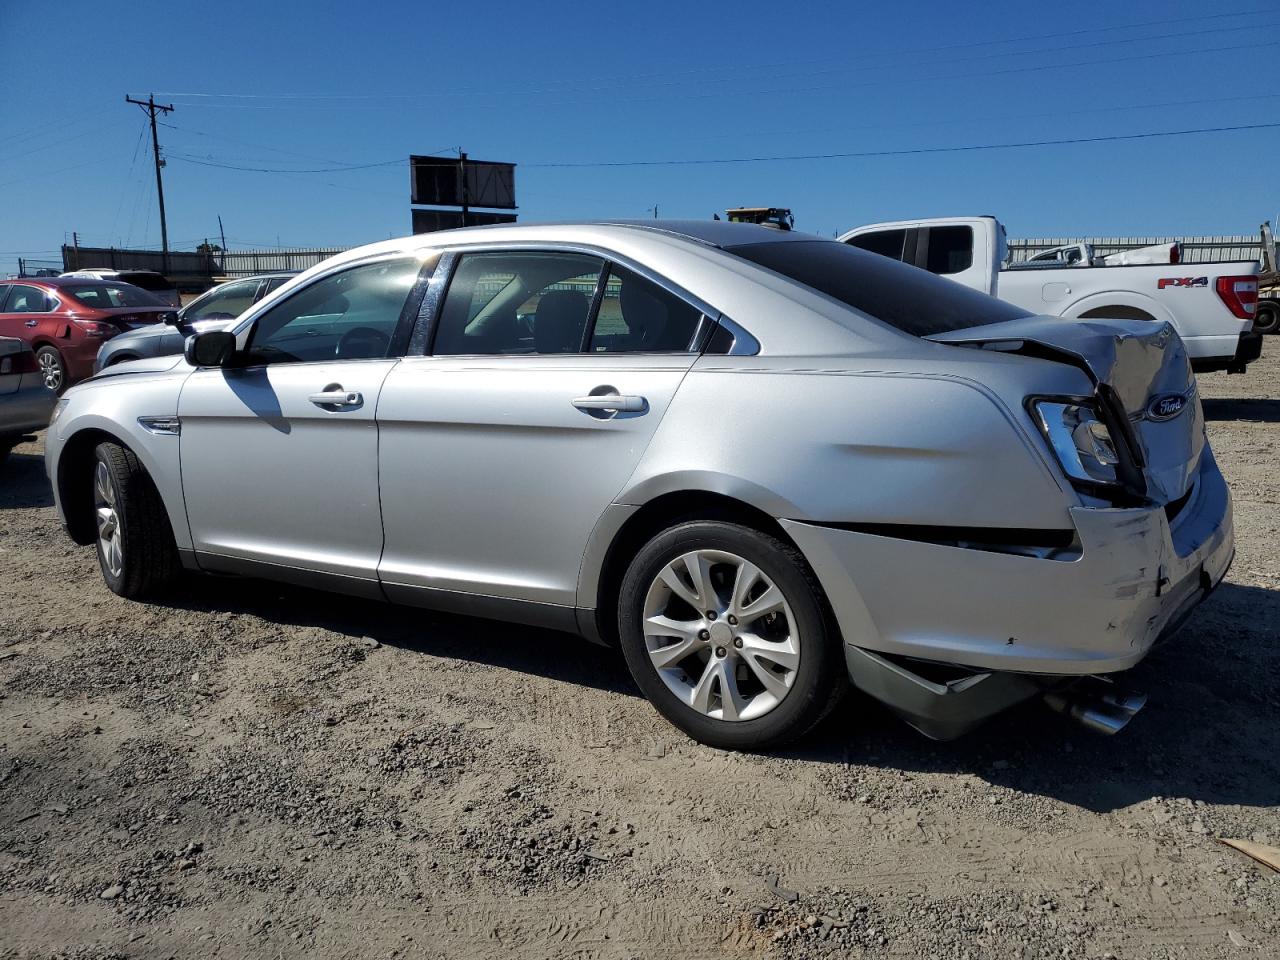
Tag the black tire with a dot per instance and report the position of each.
(5, 450)
(821, 679)
(1267, 318)
(149, 562)
(53, 368)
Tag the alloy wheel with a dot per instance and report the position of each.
(110, 534)
(51, 370)
(721, 635)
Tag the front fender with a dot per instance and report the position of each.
(103, 407)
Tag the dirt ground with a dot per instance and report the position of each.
(257, 771)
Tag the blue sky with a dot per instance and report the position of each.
(294, 87)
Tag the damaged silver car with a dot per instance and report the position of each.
(769, 466)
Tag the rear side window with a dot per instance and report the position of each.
(887, 243)
(950, 249)
(905, 297)
(638, 316)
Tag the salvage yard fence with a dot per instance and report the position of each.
(1194, 249)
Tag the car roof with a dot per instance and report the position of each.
(716, 233)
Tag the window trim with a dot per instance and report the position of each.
(424, 334)
(428, 261)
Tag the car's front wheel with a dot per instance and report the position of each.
(725, 630)
(136, 550)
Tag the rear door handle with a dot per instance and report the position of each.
(618, 403)
(336, 398)
(32, 323)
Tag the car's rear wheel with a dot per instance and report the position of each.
(53, 369)
(136, 551)
(726, 632)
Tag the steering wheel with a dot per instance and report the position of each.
(362, 343)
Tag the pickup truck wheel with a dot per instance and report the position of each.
(726, 632)
(136, 550)
(1267, 319)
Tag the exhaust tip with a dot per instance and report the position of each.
(1108, 714)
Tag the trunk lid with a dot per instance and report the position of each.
(1144, 387)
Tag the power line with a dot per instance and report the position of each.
(667, 75)
(230, 166)
(909, 151)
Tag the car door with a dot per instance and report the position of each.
(547, 375)
(279, 450)
(25, 313)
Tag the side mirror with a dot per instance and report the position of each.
(173, 319)
(212, 349)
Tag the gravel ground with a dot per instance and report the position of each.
(253, 770)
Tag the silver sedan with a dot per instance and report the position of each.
(769, 467)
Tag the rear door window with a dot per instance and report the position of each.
(513, 303)
(887, 243)
(950, 249)
(26, 299)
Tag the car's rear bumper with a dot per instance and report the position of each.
(1136, 575)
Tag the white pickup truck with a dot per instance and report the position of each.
(1211, 305)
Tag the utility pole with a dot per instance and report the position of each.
(223, 234)
(75, 242)
(150, 106)
(466, 193)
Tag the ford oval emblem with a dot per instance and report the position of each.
(1166, 406)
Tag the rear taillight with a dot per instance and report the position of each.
(1240, 294)
(24, 362)
(96, 328)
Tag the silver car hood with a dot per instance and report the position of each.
(147, 365)
(1138, 367)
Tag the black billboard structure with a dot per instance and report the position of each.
(462, 183)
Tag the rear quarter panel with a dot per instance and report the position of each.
(805, 441)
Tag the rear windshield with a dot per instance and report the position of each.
(105, 296)
(147, 281)
(903, 296)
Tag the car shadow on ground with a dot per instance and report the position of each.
(1209, 731)
(1259, 410)
(532, 650)
(23, 483)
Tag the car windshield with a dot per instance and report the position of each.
(106, 296)
(906, 297)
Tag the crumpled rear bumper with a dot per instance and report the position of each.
(1138, 573)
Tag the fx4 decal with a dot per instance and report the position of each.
(1181, 282)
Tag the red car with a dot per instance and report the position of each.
(67, 319)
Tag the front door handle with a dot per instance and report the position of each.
(32, 323)
(336, 398)
(614, 402)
